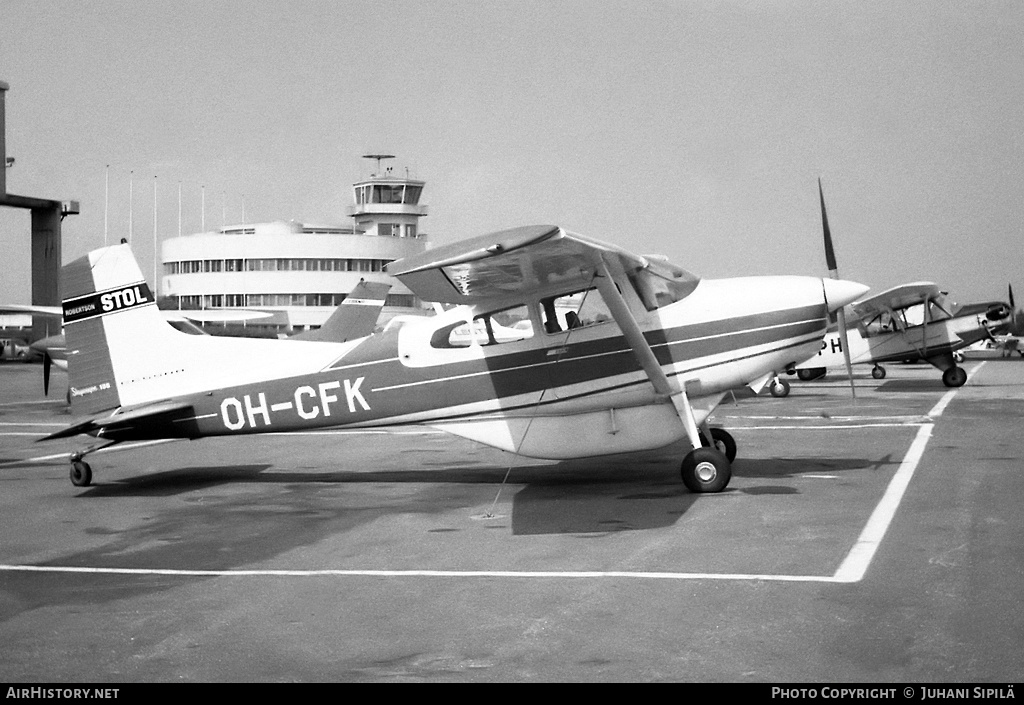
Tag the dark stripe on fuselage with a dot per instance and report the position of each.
(372, 385)
(931, 351)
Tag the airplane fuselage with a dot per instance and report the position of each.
(405, 377)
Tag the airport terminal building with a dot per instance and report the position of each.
(298, 271)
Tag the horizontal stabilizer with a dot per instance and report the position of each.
(119, 418)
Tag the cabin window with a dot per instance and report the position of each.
(493, 328)
(884, 323)
(576, 310)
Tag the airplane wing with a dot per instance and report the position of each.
(512, 262)
(896, 298)
(355, 317)
(219, 315)
(36, 310)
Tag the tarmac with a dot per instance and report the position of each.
(867, 540)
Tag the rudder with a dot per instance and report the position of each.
(98, 288)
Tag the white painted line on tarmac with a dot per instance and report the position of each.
(417, 573)
(360, 432)
(66, 455)
(822, 427)
(851, 570)
(948, 396)
(856, 563)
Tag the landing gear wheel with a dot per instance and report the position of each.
(878, 372)
(81, 473)
(808, 373)
(779, 388)
(723, 442)
(706, 470)
(954, 377)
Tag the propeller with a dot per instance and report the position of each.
(46, 373)
(833, 270)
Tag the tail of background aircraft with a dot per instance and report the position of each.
(355, 317)
(122, 353)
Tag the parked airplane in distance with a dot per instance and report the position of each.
(907, 323)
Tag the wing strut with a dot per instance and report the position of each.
(642, 349)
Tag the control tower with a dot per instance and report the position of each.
(299, 272)
(386, 204)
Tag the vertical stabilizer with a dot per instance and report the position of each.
(355, 317)
(122, 353)
(102, 290)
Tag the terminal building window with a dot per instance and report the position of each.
(243, 300)
(276, 265)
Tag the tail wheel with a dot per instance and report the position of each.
(954, 377)
(723, 442)
(706, 470)
(81, 473)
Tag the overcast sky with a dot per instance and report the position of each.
(697, 130)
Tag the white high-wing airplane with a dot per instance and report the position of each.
(653, 352)
(910, 322)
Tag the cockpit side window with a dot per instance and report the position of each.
(492, 328)
(576, 310)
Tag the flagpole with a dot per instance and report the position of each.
(156, 287)
(106, 201)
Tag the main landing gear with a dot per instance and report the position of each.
(706, 470)
(722, 441)
(878, 372)
(954, 377)
(709, 468)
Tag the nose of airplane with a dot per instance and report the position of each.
(839, 292)
(998, 312)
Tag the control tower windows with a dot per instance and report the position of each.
(388, 193)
